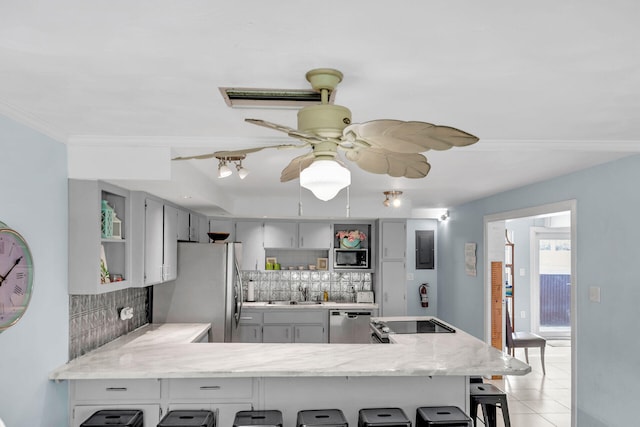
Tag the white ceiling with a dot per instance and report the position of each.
(549, 88)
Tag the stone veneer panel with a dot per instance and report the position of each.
(94, 320)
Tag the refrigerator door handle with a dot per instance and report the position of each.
(238, 294)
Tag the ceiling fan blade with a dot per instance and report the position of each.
(238, 153)
(381, 161)
(407, 137)
(201, 157)
(292, 171)
(266, 124)
(294, 133)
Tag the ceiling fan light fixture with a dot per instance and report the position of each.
(325, 178)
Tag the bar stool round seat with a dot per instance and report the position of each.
(269, 418)
(489, 397)
(115, 418)
(383, 417)
(441, 416)
(321, 418)
(188, 418)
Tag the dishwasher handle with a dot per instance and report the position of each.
(351, 314)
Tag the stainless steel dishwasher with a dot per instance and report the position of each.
(349, 326)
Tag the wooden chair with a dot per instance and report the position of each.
(524, 340)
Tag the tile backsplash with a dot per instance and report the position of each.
(94, 320)
(287, 285)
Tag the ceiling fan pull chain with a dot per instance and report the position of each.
(349, 202)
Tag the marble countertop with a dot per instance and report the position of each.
(327, 305)
(169, 351)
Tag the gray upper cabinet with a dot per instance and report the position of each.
(170, 244)
(189, 226)
(160, 242)
(394, 239)
(315, 235)
(183, 226)
(250, 234)
(153, 241)
(280, 235)
(95, 234)
(293, 235)
(194, 228)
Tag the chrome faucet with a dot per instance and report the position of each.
(305, 293)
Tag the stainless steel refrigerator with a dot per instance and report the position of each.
(208, 289)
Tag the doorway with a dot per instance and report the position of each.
(494, 239)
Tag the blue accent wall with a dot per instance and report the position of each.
(33, 201)
(608, 202)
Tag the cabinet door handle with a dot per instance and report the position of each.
(286, 333)
(302, 242)
(246, 318)
(116, 389)
(210, 387)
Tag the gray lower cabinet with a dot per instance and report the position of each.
(90, 396)
(282, 326)
(155, 398)
(250, 328)
(295, 326)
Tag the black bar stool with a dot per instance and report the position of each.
(196, 418)
(269, 418)
(441, 416)
(490, 397)
(322, 418)
(115, 418)
(383, 417)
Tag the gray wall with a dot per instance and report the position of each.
(33, 200)
(608, 202)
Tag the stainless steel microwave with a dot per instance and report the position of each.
(350, 258)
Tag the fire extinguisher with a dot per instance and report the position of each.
(424, 296)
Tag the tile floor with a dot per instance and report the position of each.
(537, 400)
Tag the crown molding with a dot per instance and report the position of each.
(33, 122)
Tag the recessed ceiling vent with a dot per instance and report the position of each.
(241, 97)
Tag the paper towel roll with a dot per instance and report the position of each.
(251, 291)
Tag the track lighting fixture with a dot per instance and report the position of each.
(224, 170)
(392, 198)
(444, 216)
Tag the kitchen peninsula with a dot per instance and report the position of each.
(161, 367)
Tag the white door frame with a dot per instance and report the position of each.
(535, 234)
(568, 205)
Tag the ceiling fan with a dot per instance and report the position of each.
(384, 146)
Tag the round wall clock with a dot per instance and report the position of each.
(16, 276)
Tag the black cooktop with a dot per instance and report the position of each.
(417, 327)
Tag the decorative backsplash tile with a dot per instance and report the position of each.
(94, 320)
(286, 285)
